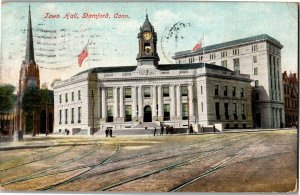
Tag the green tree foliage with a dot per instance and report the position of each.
(7, 98)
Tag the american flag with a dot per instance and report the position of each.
(83, 54)
(198, 45)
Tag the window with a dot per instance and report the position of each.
(254, 59)
(128, 113)
(254, 48)
(255, 71)
(236, 64)
(184, 91)
(60, 116)
(256, 83)
(110, 117)
(66, 97)
(200, 58)
(235, 52)
(223, 54)
(235, 111)
(216, 89)
(225, 90)
(242, 92)
(212, 56)
(166, 91)
(166, 112)
(72, 116)
(79, 114)
(66, 116)
(201, 90)
(233, 91)
(243, 111)
(201, 106)
(218, 117)
(185, 112)
(79, 95)
(72, 95)
(59, 98)
(127, 92)
(146, 92)
(226, 111)
(224, 63)
(109, 92)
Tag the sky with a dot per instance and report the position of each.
(113, 41)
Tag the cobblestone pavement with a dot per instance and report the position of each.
(263, 161)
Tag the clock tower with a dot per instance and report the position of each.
(147, 45)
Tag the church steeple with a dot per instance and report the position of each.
(29, 55)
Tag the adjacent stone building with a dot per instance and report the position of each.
(175, 94)
(260, 57)
(291, 95)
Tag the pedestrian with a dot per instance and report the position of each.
(106, 132)
(161, 130)
(154, 132)
(172, 129)
(110, 132)
(214, 128)
(191, 128)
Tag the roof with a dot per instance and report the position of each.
(162, 67)
(232, 43)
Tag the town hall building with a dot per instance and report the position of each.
(123, 97)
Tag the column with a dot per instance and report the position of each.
(154, 103)
(160, 104)
(104, 106)
(116, 105)
(178, 99)
(172, 106)
(121, 103)
(140, 102)
(99, 100)
(134, 104)
(191, 102)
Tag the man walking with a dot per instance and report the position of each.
(161, 130)
(154, 132)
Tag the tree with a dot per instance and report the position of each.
(7, 99)
(31, 104)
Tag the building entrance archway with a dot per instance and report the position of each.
(147, 114)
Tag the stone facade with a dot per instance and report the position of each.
(174, 94)
(258, 56)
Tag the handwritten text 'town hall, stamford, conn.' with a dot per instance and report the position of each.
(86, 16)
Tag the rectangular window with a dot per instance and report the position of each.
(255, 71)
(79, 95)
(109, 92)
(72, 116)
(200, 58)
(128, 113)
(59, 98)
(254, 48)
(235, 111)
(225, 90)
(127, 92)
(66, 97)
(254, 59)
(212, 56)
(233, 91)
(110, 116)
(235, 52)
(185, 112)
(256, 83)
(201, 106)
(236, 64)
(166, 112)
(166, 91)
(242, 92)
(224, 63)
(224, 54)
(201, 90)
(60, 116)
(243, 111)
(216, 89)
(184, 91)
(79, 114)
(72, 95)
(217, 107)
(226, 111)
(66, 116)
(146, 92)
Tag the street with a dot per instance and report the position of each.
(264, 161)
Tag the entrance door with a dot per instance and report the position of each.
(43, 122)
(258, 120)
(147, 114)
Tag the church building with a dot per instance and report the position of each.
(123, 97)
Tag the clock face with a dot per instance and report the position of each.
(147, 36)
